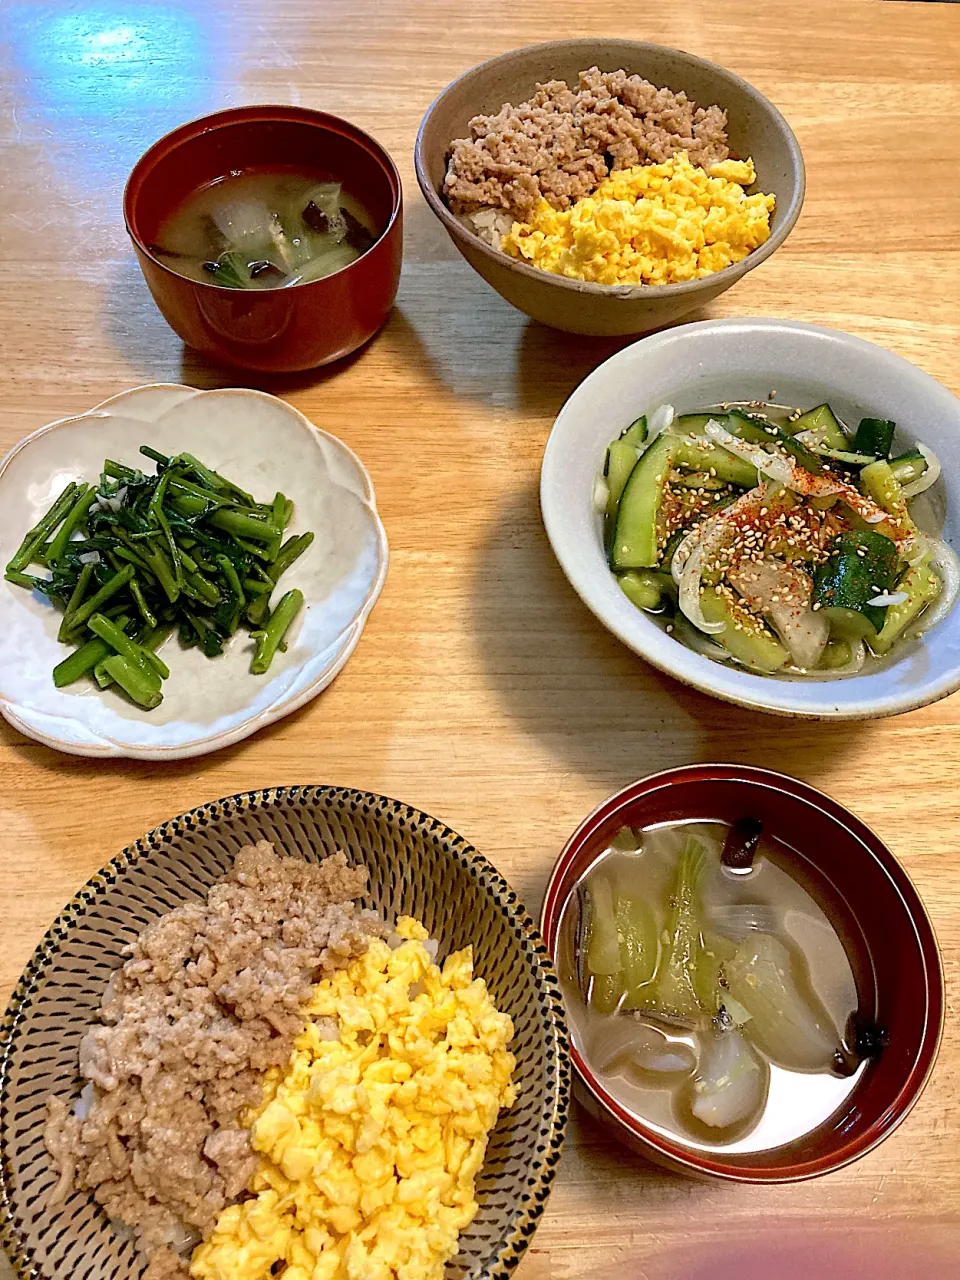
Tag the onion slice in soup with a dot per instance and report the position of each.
(787, 1021)
(730, 1086)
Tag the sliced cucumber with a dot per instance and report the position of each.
(908, 466)
(695, 423)
(861, 565)
(736, 421)
(713, 458)
(879, 483)
(699, 480)
(636, 433)
(874, 436)
(837, 653)
(850, 624)
(745, 637)
(922, 586)
(799, 451)
(635, 544)
(641, 587)
(621, 459)
(752, 429)
(824, 421)
(843, 455)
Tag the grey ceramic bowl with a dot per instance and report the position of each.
(755, 128)
(718, 360)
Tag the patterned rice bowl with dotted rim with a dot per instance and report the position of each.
(418, 867)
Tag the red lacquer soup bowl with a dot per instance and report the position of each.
(869, 900)
(273, 330)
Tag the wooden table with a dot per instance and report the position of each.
(482, 691)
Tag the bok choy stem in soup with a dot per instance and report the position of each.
(773, 538)
(264, 230)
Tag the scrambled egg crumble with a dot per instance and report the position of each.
(652, 224)
(371, 1141)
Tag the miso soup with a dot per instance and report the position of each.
(262, 229)
(716, 1004)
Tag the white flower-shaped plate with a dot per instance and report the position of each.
(264, 445)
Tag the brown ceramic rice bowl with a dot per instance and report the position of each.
(754, 128)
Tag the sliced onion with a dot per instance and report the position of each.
(689, 594)
(865, 507)
(883, 601)
(627, 1042)
(774, 465)
(929, 477)
(789, 1024)
(684, 551)
(660, 419)
(601, 494)
(700, 643)
(944, 560)
(730, 1086)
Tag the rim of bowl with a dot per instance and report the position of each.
(513, 1243)
(710, 1163)
(280, 114)
(733, 272)
(820, 708)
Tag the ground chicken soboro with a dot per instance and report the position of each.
(562, 143)
(209, 999)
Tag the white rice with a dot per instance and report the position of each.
(490, 224)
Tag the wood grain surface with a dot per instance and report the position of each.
(482, 691)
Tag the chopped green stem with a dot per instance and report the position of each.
(242, 526)
(28, 580)
(269, 640)
(117, 471)
(77, 512)
(258, 611)
(133, 681)
(142, 605)
(261, 553)
(81, 662)
(79, 591)
(129, 649)
(254, 588)
(186, 488)
(291, 550)
(106, 592)
(187, 560)
(189, 506)
(229, 571)
(280, 511)
(44, 527)
(154, 455)
(196, 585)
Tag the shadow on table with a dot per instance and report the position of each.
(146, 772)
(599, 708)
(134, 325)
(552, 364)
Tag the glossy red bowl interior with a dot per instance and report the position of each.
(275, 330)
(871, 902)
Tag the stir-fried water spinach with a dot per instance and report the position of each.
(775, 538)
(135, 557)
